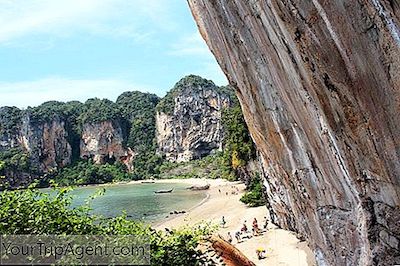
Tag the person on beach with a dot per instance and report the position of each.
(260, 253)
(245, 231)
(229, 237)
(265, 223)
(244, 228)
(223, 222)
(237, 236)
(255, 227)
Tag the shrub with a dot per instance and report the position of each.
(31, 211)
(15, 160)
(254, 196)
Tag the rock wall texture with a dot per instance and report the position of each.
(104, 142)
(33, 146)
(46, 142)
(193, 128)
(319, 85)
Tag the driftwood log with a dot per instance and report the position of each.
(229, 253)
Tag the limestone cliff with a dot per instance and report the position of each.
(188, 121)
(319, 85)
(55, 134)
(46, 142)
(31, 146)
(40, 141)
(104, 142)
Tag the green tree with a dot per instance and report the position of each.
(10, 120)
(254, 196)
(99, 110)
(238, 148)
(31, 211)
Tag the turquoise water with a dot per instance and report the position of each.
(139, 200)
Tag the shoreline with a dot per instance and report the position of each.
(282, 246)
(223, 199)
(158, 224)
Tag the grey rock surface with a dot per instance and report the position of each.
(193, 128)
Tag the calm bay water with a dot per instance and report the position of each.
(139, 200)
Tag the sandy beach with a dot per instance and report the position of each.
(282, 247)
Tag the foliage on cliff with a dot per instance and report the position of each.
(137, 105)
(33, 212)
(238, 145)
(45, 112)
(99, 110)
(254, 196)
(51, 110)
(10, 120)
(75, 113)
(14, 161)
(139, 110)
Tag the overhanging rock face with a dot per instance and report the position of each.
(319, 84)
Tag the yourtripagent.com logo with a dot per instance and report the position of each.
(74, 250)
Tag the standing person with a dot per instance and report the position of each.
(223, 222)
(265, 223)
(244, 228)
(255, 222)
(237, 236)
(255, 227)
